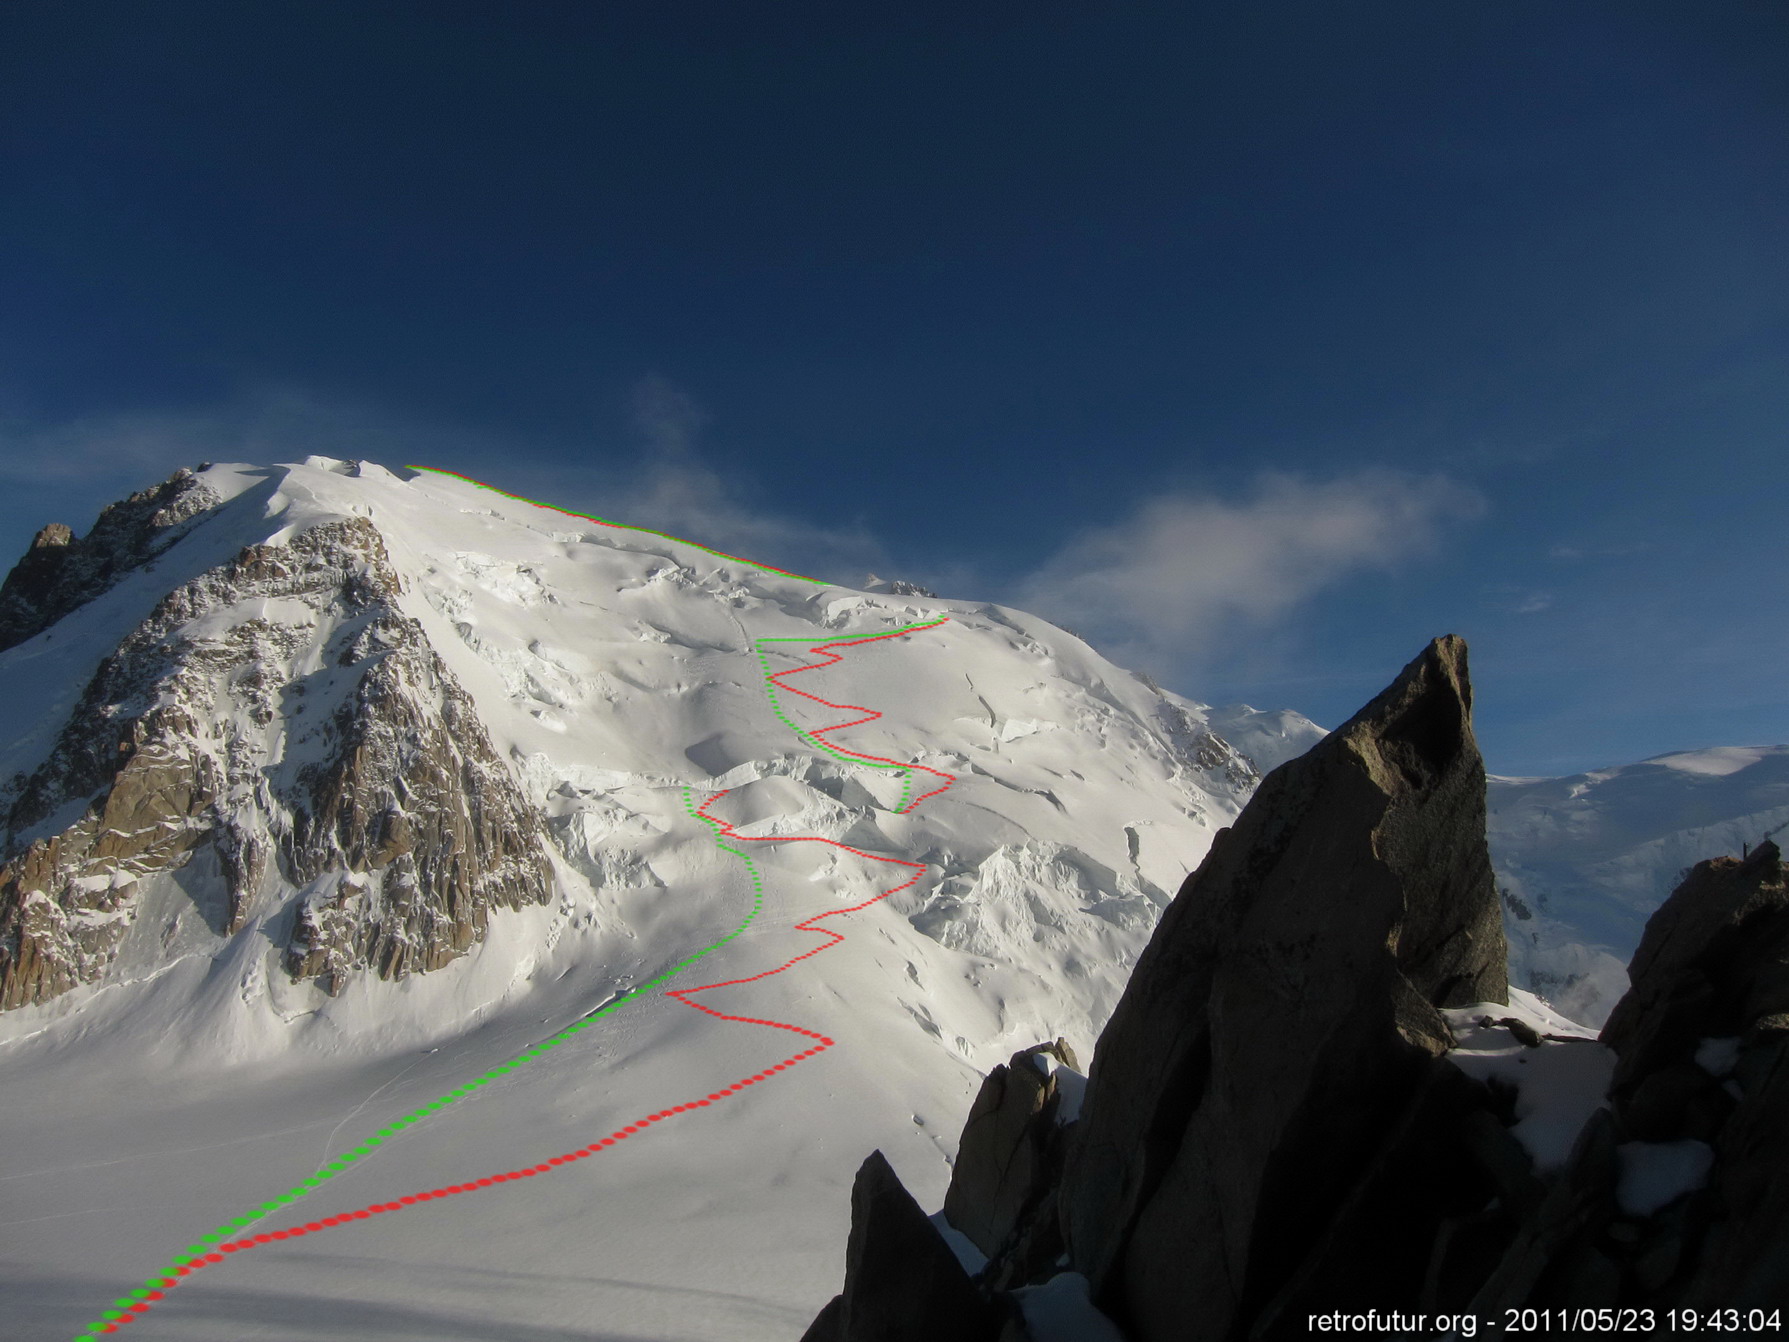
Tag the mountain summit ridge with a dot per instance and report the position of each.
(235, 718)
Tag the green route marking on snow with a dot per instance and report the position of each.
(125, 1307)
(776, 703)
(150, 1289)
(619, 526)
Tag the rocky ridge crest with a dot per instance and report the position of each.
(62, 572)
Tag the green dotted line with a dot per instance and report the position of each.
(776, 705)
(619, 526)
(228, 1230)
(343, 1162)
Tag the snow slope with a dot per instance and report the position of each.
(1583, 861)
(618, 673)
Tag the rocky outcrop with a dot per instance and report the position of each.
(1702, 1040)
(410, 819)
(1267, 1112)
(281, 710)
(1009, 1163)
(901, 1279)
(895, 587)
(1677, 1193)
(1280, 1121)
(1713, 964)
(61, 572)
(1197, 747)
(1286, 1013)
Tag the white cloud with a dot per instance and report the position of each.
(1164, 585)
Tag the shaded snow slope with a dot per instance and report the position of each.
(618, 676)
(1269, 738)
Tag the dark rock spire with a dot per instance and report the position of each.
(1286, 1008)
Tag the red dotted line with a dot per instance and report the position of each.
(223, 1251)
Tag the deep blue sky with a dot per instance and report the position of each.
(1257, 342)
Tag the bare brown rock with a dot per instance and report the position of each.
(1010, 1155)
(413, 810)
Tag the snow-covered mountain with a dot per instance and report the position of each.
(335, 791)
(1583, 861)
(332, 793)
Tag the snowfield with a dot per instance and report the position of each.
(1588, 858)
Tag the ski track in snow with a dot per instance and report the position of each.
(140, 1303)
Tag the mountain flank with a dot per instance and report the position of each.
(1316, 1094)
(318, 740)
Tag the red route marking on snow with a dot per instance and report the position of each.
(223, 1251)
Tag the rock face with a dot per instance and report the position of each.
(1286, 1011)
(61, 572)
(901, 1279)
(1703, 1045)
(1199, 748)
(1280, 1120)
(1009, 1163)
(281, 711)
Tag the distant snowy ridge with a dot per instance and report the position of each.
(1583, 861)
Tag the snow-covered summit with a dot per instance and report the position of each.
(333, 786)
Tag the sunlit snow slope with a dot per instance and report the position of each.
(612, 669)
